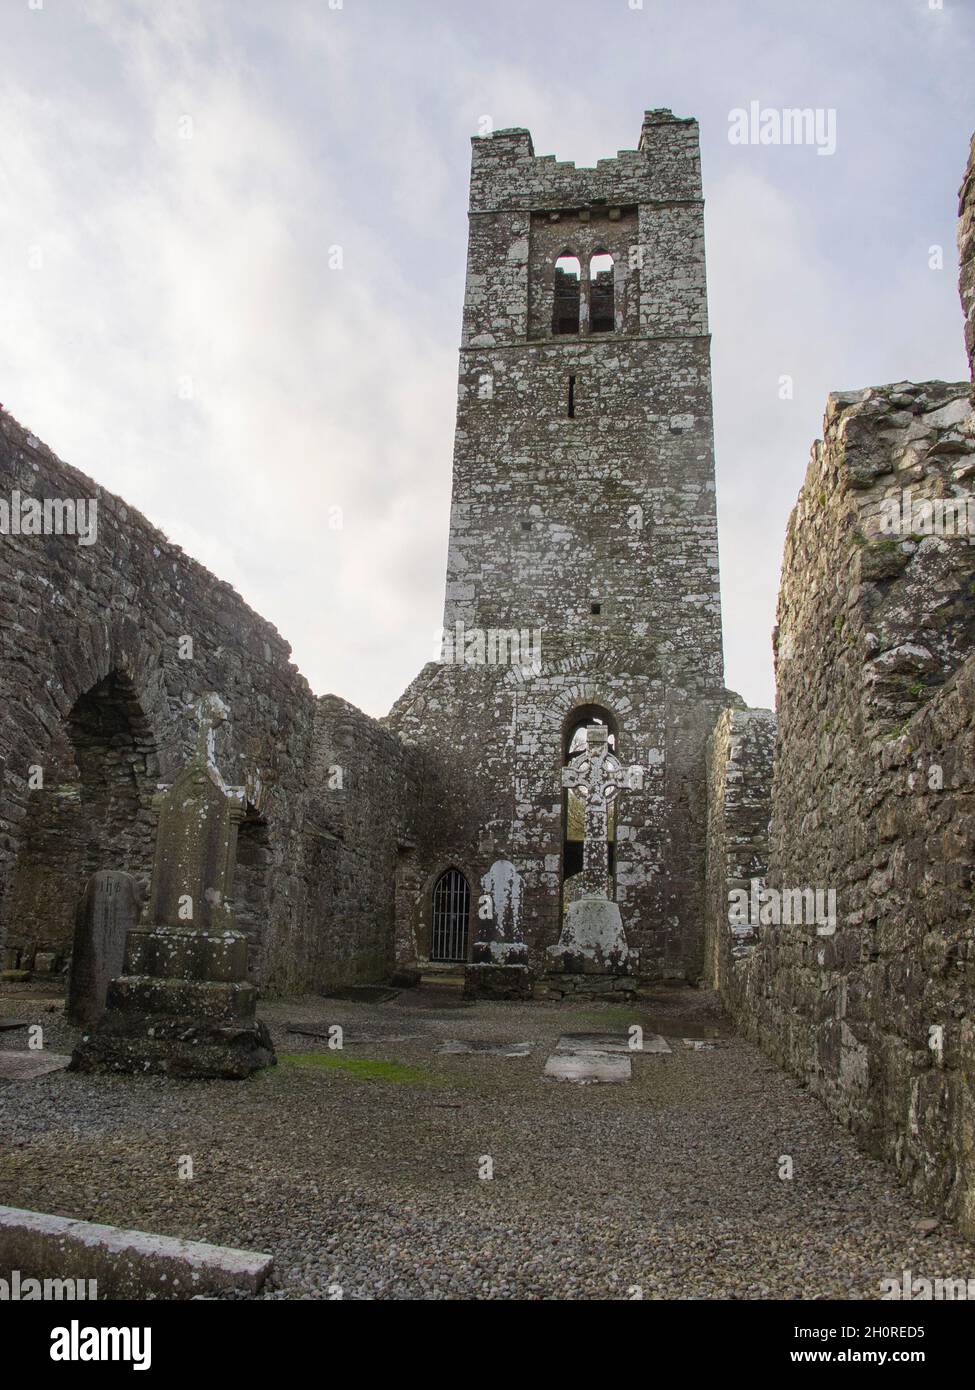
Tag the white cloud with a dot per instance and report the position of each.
(167, 259)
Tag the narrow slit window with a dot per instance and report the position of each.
(572, 398)
(602, 293)
(568, 281)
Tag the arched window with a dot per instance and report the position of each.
(451, 909)
(568, 280)
(602, 304)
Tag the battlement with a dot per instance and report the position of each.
(507, 175)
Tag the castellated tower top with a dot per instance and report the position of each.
(506, 172)
(532, 216)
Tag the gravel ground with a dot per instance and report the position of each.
(363, 1182)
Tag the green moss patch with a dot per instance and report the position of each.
(362, 1068)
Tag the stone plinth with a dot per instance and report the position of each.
(617, 989)
(486, 981)
(183, 1004)
(592, 956)
(163, 1017)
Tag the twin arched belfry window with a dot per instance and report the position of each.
(573, 294)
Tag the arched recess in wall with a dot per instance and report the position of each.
(574, 729)
(566, 298)
(92, 810)
(450, 923)
(602, 293)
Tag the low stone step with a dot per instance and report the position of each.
(124, 1264)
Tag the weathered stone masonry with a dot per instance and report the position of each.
(874, 783)
(95, 693)
(966, 252)
(739, 809)
(583, 511)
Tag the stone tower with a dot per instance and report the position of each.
(582, 575)
(584, 457)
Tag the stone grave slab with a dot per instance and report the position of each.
(7, 1025)
(518, 1049)
(593, 1042)
(697, 1045)
(25, 1066)
(588, 1068)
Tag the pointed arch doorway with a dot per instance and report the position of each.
(450, 935)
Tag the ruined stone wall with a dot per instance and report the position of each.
(966, 252)
(97, 690)
(873, 789)
(493, 742)
(739, 810)
(360, 814)
(82, 620)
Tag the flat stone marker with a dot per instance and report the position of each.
(588, 1067)
(519, 1049)
(609, 1042)
(25, 1066)
(7, 1025)
(125, 1264)
(696, 1045)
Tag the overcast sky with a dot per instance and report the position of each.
(173, 174)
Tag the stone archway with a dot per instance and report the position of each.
(89, 807)
(450, 934)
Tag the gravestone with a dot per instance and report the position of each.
(108, 911)
(592, 957)
(499, 958)
(585, 1068)
(183, 1005)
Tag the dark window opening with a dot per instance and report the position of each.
(595, 609)
(602, 307)
(526, 526)
(572, 398)
(568, 280)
